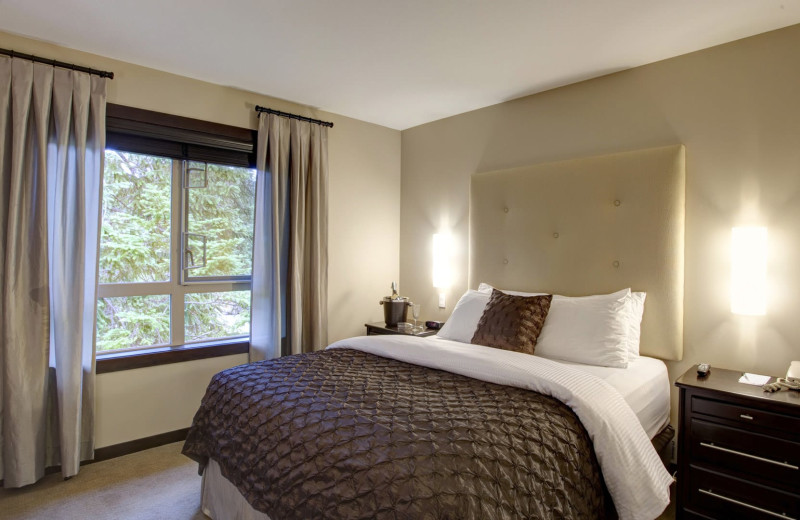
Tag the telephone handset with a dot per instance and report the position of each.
(790, 382)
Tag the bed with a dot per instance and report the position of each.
(404, 427)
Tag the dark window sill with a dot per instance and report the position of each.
(118, 361)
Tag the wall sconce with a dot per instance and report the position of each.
(442, 250)
(749, 270)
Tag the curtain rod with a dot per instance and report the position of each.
(293, 116)
(56, 63)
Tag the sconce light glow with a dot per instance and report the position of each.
(442, 247)
(749, 270)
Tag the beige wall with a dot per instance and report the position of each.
(363, 229)
(736, 107)
(134, 404)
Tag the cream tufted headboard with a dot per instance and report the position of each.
(588, 226)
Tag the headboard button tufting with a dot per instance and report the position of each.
(587, 198)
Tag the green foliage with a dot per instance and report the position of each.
(216, 315)
(135, 238)
(131, 321)
(136, 242)
(224, 212)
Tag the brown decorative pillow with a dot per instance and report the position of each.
(512, 322)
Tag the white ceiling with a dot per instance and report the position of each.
(397, 63)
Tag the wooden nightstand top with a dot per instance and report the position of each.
(380, 327)
(727, 381)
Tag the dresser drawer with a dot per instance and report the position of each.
(751, 454)
(723, 497)
(745, 415)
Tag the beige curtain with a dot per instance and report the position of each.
(290, 246)
(52, 140)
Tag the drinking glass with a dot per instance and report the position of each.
(415, 309)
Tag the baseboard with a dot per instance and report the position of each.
(126, 448)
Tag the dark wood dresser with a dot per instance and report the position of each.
(738, 449)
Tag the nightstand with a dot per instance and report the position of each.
(380, 328)
(738, 449)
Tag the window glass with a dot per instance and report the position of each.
(152, 234)
(221, 210)
(216, 315)
(135, 238)
(133, 321)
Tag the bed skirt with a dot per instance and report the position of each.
(221, 500)
(661, 442)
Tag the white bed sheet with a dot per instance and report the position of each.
(644, 385)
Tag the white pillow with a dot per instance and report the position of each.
(601, 330)
(592, 330)
(635, 312)
(464, 320)
(606, 326)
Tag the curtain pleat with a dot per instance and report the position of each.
(26, 299)
(268, 285)
(300, 131)
(290, 262)
(315, 326)
(54, 121)
(5, 193)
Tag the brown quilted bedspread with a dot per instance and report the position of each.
(345, 434)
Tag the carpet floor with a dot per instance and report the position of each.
(155, 484)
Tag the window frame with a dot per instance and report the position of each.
(181, 139)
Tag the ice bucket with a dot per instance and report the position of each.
(394, 310)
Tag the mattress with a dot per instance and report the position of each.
(645, 387)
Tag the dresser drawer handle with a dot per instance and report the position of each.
(745, 416)
(745, 504)
(743, 454)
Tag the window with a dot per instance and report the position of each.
(177, 232)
